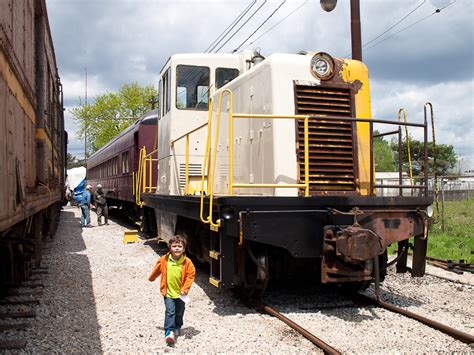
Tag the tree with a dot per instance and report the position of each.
(446, 157)
(383, 154)
(73, 162)
(110, 113)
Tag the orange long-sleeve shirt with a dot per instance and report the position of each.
(188, 272)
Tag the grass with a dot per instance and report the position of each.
(457, 240)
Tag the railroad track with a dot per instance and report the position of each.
(449, 265)
(360, 299)
(27, 297)
(452, 332)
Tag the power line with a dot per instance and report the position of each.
(230, 27)
(437, 11)
(275, 25)
(264, 22)
(258, 9)
(395, 24)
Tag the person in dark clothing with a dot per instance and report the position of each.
(101, 204)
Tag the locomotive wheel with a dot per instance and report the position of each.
(255, 275)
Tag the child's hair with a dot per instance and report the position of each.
(177, 239)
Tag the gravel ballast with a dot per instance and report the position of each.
(97, 298)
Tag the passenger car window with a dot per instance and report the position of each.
(192, 89)
(225, 75)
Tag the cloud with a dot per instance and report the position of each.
(452, 110)
(130, 40)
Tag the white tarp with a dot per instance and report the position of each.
(75, 177)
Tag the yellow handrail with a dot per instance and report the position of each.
(186, 135)
(206, 165)
(208, 155)
(140, 183)
(408, 142)
(209, 163)
(210, 178)
(139, 176)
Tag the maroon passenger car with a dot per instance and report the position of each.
(113, 165)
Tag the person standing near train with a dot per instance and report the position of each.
(85, 204)
(177, 275)
(101, 205)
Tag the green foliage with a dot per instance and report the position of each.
(73, 162)
(457, 240)
(112, 112)
(445, 156)
(383, 155)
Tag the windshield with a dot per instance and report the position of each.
(192, 89)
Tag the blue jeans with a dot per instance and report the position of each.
(174, 313)
(86, 216)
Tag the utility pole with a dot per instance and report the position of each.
(85, 122)
(356, 36)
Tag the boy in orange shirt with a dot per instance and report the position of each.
(177, 275)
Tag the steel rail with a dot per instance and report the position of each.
(455, 333)
(311, 337)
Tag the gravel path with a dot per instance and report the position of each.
(96, 298)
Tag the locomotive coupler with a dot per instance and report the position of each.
(358, 244)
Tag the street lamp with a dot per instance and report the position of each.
(356, 37)
(328, 5)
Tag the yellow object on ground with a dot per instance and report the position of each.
(130, 236)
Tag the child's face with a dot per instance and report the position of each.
(177, 249)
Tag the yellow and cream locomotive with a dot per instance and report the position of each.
(266, 165)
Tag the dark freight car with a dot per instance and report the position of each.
(32, 137)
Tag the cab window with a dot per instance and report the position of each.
(165, 89)
(225, 75)
(192, 89)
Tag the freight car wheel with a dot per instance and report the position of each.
(255, 275)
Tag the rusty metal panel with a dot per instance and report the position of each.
(30, 161)
(29, 44)
(10, 153)
(18, 38)
(3, 148)
(18, 163)
(6, 18)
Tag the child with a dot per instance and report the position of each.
(177, 275)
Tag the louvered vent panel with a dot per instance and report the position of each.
(331, 155)
(193, 170)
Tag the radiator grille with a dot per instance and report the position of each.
(331, 146)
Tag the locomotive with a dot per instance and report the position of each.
(266, 167)
(32, 138)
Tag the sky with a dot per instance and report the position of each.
(415, 53)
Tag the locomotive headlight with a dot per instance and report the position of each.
(322, 66)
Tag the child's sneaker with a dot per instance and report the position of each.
(177, 332)
(169, 337)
